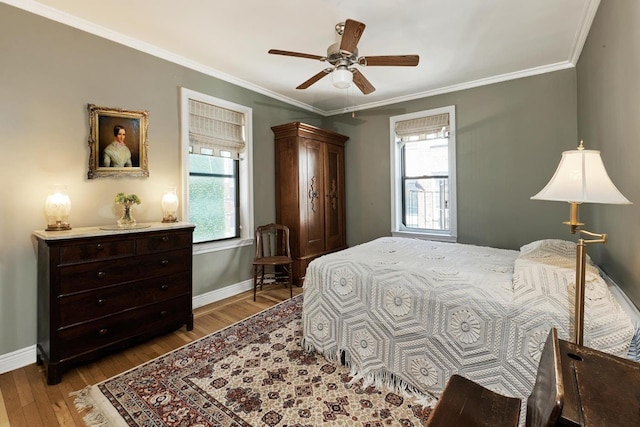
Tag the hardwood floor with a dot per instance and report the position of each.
(27, 400)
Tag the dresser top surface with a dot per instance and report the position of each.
(110, 230)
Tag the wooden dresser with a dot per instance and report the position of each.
(310, 191)
(102, 289)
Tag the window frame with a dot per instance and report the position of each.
(397, 194)
(245, 201)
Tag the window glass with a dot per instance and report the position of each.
(213, 197)
(426, 184)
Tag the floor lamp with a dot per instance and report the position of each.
(581, 178)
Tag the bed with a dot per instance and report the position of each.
(409, 313)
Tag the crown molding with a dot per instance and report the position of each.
(462, 86)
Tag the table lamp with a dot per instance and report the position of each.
(170, 205)
(57, 208)
(581, 178)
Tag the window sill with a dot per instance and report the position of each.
(223, 245)
(424, 236)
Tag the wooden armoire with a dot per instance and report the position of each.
(310, 191)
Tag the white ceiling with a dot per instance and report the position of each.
(461, 43)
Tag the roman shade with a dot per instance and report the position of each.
(215, 130)
(423, 127)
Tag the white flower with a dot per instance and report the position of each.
(465, 327)
(424, 372)
(320, 327)
(397, 301)
(364, 343)
(536, 344)
(342, 281)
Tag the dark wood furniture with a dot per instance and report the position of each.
(310, 191)
(466, 403)
(272, 260)
(102, 290)
(600, 389)
(546, 400)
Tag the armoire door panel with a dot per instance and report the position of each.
(287, 205)
(334, 209)
(314, 207)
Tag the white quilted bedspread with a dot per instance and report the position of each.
(423, 310)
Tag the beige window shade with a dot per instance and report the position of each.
(215, 130)
(423, 126)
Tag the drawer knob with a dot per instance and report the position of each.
(164, 313)
(103, 332)
(99, 246)
(164, 262)
(101, 301)
(164, 287)
(165, 238)
(101, 274)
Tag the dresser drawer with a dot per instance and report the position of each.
(163, 242)
(146, 320)
(98, 274)
(86, 306)
(96, 250)
(164, 263)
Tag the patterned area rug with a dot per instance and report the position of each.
(253, 373)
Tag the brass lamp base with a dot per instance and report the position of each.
(581, 267)
(170, 218)
(58, 226)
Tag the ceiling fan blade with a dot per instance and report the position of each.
(363, 84)
(296, 54)
(351, 35)
(392, 60)
(313, 79)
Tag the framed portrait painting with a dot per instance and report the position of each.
(117, 142)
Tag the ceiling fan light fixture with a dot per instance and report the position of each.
(342, 77)
(344, 54)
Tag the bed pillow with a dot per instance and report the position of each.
(560, 256)
(555, 253)
(559, 247)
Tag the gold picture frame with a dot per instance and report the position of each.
(117, 142)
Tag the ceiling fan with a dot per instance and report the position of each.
(343, 56)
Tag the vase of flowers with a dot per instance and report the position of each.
(127, 201)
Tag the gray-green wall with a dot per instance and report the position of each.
(510, 136)
(609, 120)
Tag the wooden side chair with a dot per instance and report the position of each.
(273, 257)
(467, 403)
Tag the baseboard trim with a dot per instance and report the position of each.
(220, 294)
(17, 359)
(26, 356)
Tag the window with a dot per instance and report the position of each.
(423, 180)
(216, 142)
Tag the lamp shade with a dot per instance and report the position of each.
(170, 205)
(57, 208)
(581, 178)
(342, 77)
